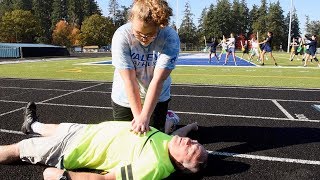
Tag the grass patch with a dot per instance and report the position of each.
(289, 74)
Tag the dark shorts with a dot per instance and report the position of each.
(267, 48)
(213, 50)
(311, 52)
(157, 120)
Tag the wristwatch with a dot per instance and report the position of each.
(64, 176)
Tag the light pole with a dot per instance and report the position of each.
(289, 33)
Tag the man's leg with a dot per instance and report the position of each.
(9, 153)
(32, 125)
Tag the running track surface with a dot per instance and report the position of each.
(251, 133)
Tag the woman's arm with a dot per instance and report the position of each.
(132, 90)
(141, 124)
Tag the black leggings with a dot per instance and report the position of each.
(157, 120)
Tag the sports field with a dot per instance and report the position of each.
(286, 74)
(256, 122)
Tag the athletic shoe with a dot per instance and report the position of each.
(275, 64)
(172, 119)
(262, 64)
(29, 116)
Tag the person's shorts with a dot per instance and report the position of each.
(254, 52)
(312, 53)
(213, 50)
(230, 50)
(267, 48)
(49, 150)
(245, 51)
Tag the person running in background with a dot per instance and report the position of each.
(213, 49)
(254, 49)
(144, 52)
(267, 48)
(224, 46)
(300, 49)
(231, 43)
(294, 46)
(311, 52)
(245, 48)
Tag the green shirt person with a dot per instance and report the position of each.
(109, 146)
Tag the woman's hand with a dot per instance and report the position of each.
(140, 126)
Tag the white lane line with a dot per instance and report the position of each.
(9, 112)
(242, 98)
(283, 109)
(52, 98)
(71, 92)
(244, 87)
(265, 158)
(247, 117)
(179, 112)
(11, 131)
(175, 95)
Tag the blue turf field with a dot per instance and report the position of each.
(201, 59)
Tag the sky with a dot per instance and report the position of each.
(303, 8)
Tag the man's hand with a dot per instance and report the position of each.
(52, 173)
(140, 126)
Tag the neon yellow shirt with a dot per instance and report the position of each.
(111, 146)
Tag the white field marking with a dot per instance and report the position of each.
(66, 105)
(53, 98)
(57, 80)
(178, 95)
(282, 109)
(60, 90)
(11, 131)
(244, 87)
(71, 92)
(79, 106)
(265, 158)
(11, 111)
(240, 98)
(247, 117)
(178, 112)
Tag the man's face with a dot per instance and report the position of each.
(145, 33)
(186, 151)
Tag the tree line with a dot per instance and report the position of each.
(80, 22)
(235, 17)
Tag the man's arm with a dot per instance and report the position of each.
(183, 132)
(55, 173)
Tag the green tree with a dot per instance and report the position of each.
(240, 17)
(113, 8)
(253, 17)
(187, 30)
(59, 12)
(18, 26)
(22, 4)
(276, 24)
(5, 6)
(96, 30)
(260, 25)
(42, 11)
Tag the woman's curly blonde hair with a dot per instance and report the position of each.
(152, 11)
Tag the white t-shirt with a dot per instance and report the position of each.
(128, 53)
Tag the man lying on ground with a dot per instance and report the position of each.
(109, 146)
